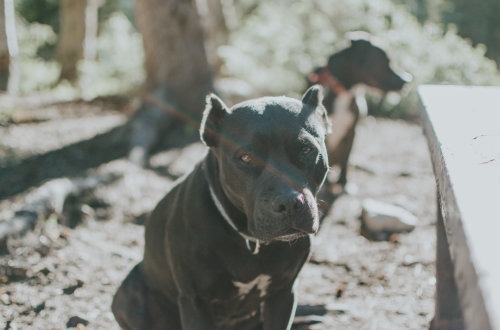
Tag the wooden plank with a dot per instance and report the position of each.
(447, 311)
(462, 125)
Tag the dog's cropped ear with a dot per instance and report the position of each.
(213, 115)
(360, 44)
(354, 36)
(313, 98)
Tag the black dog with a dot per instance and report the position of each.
(360, 63)
(224, 246)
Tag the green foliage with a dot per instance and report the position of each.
(34, 73)
(110, 7)
(37, 11)
(120, 57)
(273, 46)
(477, 20)
(277, 43)
(47, 11)
(118, 67)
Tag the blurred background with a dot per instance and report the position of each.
(92, 48)
(84, 83)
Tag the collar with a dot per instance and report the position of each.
(249, 240)
(335, 85)
(325, 77)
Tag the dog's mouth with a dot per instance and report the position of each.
(286, 237)
(291, 232)
(292, 237)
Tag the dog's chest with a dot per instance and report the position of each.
(242, 303)
(260, 284)
(342, 119)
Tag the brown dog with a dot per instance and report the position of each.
(361, 63)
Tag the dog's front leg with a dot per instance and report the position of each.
(193, 315)
(279, 310)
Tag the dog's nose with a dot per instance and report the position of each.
(288, 204)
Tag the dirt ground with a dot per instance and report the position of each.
(56, 277)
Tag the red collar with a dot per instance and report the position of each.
(325, 77)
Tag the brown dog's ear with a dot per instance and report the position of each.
(214, 114)
(354, 36)
(313, 98)
(361, 41)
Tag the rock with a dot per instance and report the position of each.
(5, 299)
(13, 273)
(76, 322)
(71, 288)
(39, 307)
(381, 220)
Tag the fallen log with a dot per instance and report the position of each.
(51, 197)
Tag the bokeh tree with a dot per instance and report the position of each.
(78, 20)
(271, 46)
(4, 50)
(478, 21)
(177, 70)
(8, 41)
(71, 37)
(215, 27)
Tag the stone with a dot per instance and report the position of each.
(383, 218)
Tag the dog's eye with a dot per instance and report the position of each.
(306, 150)
(246, 158)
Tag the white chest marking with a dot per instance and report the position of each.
(342, 119)
(261, 282)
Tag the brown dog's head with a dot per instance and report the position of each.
(271, 161)
(362, 62)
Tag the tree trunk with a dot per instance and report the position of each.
(177, 69)
(8, 42)
(91, 29)
(71, 37)
(216, 31)
(176, 60)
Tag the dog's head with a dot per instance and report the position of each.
(271, 159)
(364, 62)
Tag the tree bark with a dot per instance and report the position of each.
(176, 59)
(215, 27)
(8, 42)
(91, 29)
(178, 74)
(71, 37)
(4, 50)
